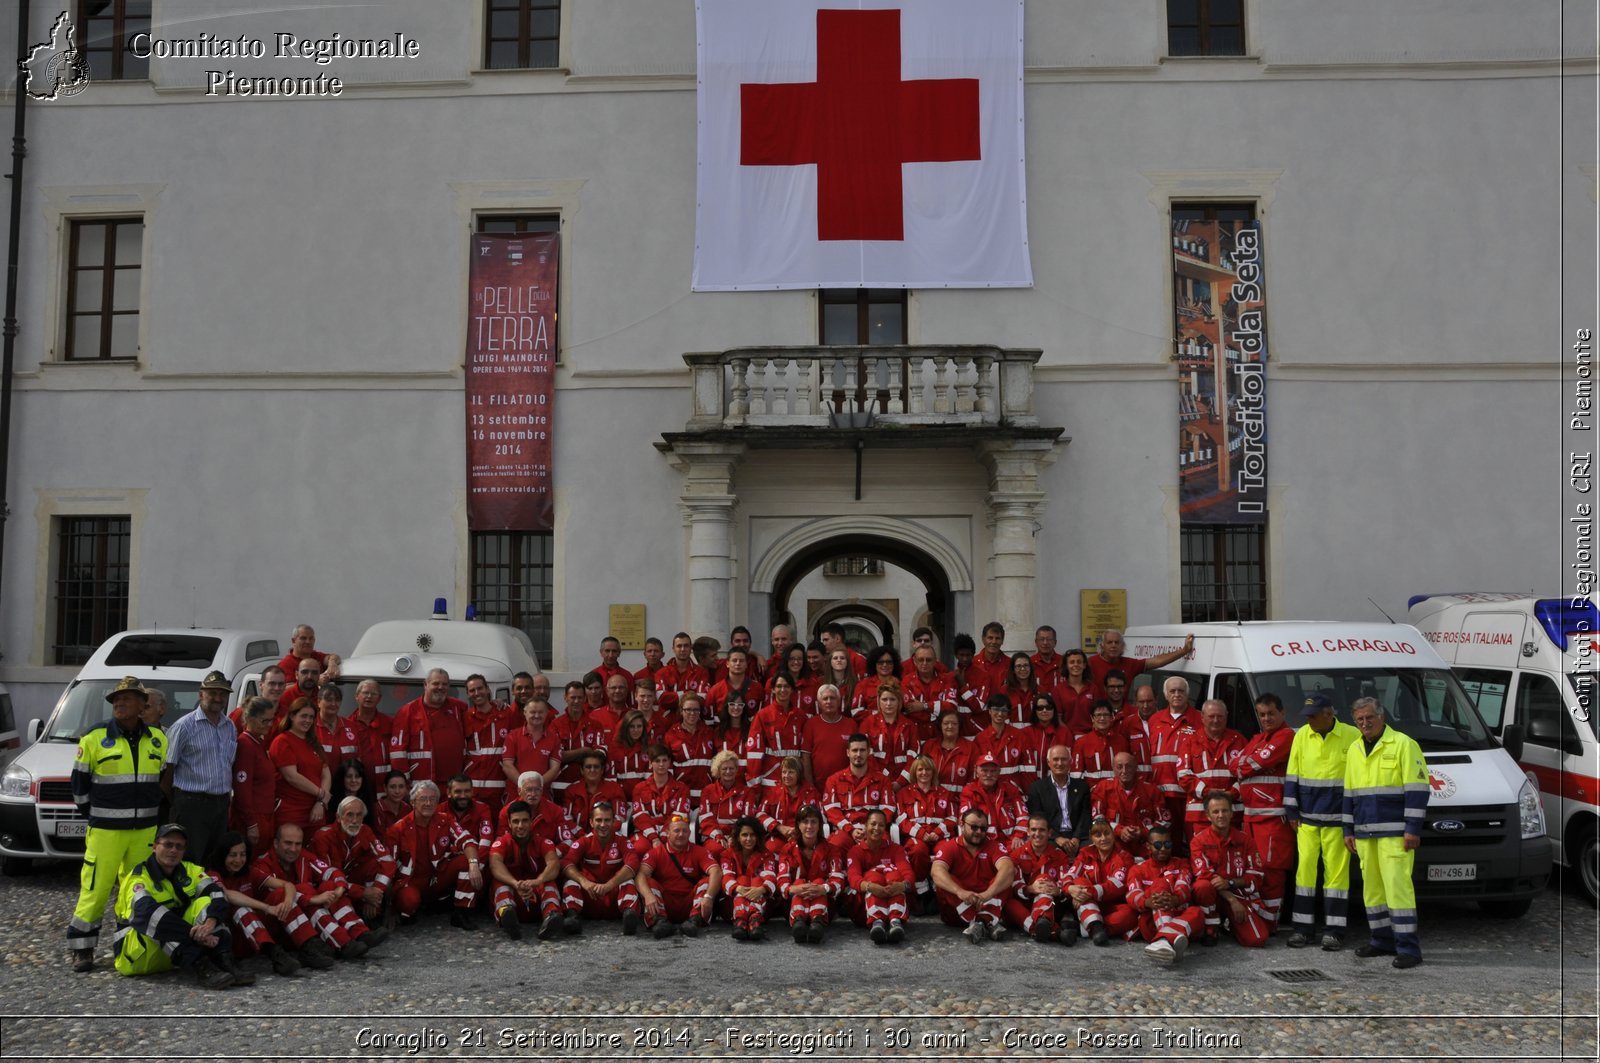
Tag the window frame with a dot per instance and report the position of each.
(1229, 598)
(864, 299)
(102, 600)
(534, 222)
(512, 610)
(108, 267)
(525, 39)
(125, 66)
(1203, 27)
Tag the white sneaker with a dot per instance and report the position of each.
(1160, 951)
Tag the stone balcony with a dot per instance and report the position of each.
(952, 387)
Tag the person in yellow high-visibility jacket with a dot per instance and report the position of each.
(1313, 803)
(171, 913)
(1385, 803)
(116, 784)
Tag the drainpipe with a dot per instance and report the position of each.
(19, 151)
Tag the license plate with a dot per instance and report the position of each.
(1452, 872)
(72, 830)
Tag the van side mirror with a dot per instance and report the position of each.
(1511, 738)
(35, 729)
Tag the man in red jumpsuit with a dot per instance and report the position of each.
(1135, 808)
(429, 740)
(524, 866)
(373, 728)
(351, 846)
(1260, 769)
(1159, 890)
(436, 858)
(854, 792)
(971, 877)
(486, 723)
(680, 675)
(1041, 883)
(318, 888)
(1168, 730)
(1205, 763)
(599, 869)
(471, 815)
(1227, 876)
(303, 646)
(1110, 657)
(678, 883)
(1004, 805)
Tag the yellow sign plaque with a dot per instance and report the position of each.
(627, 624)
(1098, 610)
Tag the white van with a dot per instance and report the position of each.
(399, 654)
(1485, 834)
(1530, 664)
(38, 820)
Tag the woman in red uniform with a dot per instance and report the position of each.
(953, 756)
(749, 880)
(255, 776)
(810, 877)
(1021, 686)
(304, 781)
(927, 817)
(1043, 731)
(1098, 886)
(630, 757)
(799, 672)
(882, 663)
(724, 802)
(782, 800)
(1076, 691)
(842, 675)
(657, 796)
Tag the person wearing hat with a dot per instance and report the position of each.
(1313, 804)
(116, 784)
(175, 916)
(199, 772)
(1001, 800)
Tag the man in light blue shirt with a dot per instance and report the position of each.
(199, 772)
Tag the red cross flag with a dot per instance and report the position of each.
(860, 144)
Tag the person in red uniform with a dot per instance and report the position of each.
(1158, 891)
(1099, 883)
(1020, 687)
(355, 849)
(1094, 753)
(692, 743)
(681, 675)
(993, 664)
(795, 667)
(533, 746)
(1003, 803)
(429, 740)
(927, 689)
(725, 801)
(255, 776)
(1133, 721)
(894, 736)
(230, 866)
(608, 717)
(678, 883)
(853, 793)
(549, 819)
(657, 796)
(1134, 808)
(879, 874)
(610, 662)
(1205, 763)
(435, 857)
(1034, 907)
(1110, 657)
(655, 655)
(630, 757)
(1169, 729)
(475, 817)
(822, 740)
(832, 637)
(1076, 691)
(971, 686)
(1046, 661)
(318, 887)
(971, 876)
(485, 725)
(657, 721)
(749, 879)
(305, 781)
(303, 646)
(1260, 769)
(1043, 733)
(393, 803)
(781, 801)
(1227, 876)
(524, 866)
(373, 728)
(337, 738)
(1000, 740)
(811, 876)
(573, 733)
(954, 756)
(599, 869)
(307, 681)
(592, 788)
(927, 818)
(776, 733)
(740, 685)
(882, 663)
(740, 639)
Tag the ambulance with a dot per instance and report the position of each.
(1530, 664)
(1484, 837)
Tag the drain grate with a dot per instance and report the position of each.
(1300, 974)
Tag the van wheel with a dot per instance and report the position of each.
(1587, 865)
(1514, 909)
(12, 866)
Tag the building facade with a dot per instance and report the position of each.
(238, 391)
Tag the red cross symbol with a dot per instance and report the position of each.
(858, 122)
(1435, 783)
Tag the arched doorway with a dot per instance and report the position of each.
(943, 572)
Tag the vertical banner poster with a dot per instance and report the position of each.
(1219, 316)
(511, 330)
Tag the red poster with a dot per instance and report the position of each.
(511, 333)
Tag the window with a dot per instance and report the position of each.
(1224, 572)
(104, 29)
(522, 34)
(529, 223)
(513, 583)
(852, 566)
(1205, 27)
(1540, 711)
(103, 261)
(91, 592)
(1487, 688)
(862, 316)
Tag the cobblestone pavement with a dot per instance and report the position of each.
(1489, 989)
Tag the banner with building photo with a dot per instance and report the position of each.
(1219, 314)
(511, 332)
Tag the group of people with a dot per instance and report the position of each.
(1004, 792)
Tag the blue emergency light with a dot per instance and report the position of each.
(1561, 617)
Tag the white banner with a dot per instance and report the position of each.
(860, 144)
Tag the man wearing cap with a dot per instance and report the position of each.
(116, 784)
(175, 915)
(1313, 804)
(203, 745)
(1004, 805)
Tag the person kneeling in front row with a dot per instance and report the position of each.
(172, 914)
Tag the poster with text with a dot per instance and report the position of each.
(1219, 315)
(511, 329)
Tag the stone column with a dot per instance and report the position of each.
(708, 503)
(1015, 503)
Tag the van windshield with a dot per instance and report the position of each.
(393, 693)
(86, 708)
(1583, 685)
(1426, 704)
